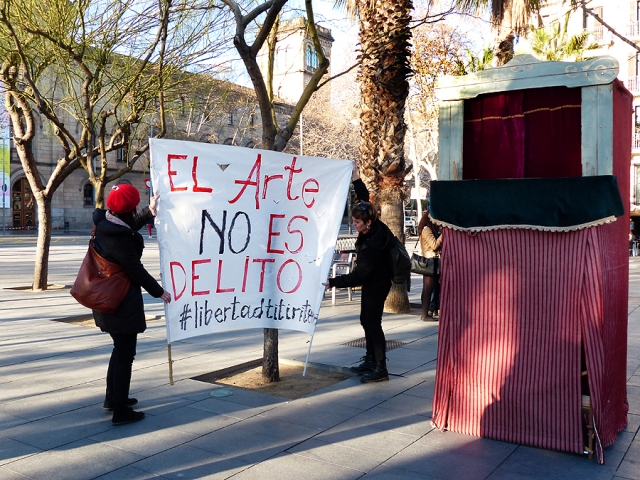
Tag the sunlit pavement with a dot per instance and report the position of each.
(52, 373)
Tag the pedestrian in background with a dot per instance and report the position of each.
(430, 244)
(373, 271)
(150, 224)
(117, 239)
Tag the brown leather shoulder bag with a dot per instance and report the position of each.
(101, 285)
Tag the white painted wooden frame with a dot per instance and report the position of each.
(595, 78)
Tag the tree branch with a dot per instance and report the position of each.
(610, 28)
(252, 15)
(267, 25)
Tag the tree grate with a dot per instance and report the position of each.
(361, 343)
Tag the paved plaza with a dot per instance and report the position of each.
(52, 425)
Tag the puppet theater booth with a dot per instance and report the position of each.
(533, 166)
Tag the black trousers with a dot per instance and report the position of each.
(371, 307)
(430, 285)
(434, 306)
(120, 364)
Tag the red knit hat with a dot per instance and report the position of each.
(123, 198)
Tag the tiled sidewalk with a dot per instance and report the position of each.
(52, 425)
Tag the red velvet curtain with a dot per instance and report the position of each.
(533, 133)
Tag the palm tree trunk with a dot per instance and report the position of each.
(392, 213)
(384, 39)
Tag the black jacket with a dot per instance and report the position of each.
(124, 246)
(373, 269)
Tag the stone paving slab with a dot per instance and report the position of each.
(291, 467)
(12, 450)
(130, 473)
(57, 430)
(79, 460)
(242, 445)
(338, 454)
(189, 462)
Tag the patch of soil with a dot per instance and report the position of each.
(292, 384)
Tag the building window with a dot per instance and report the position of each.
(637, 110)
(121, 156)
(88, 195)
(252, 119)
(596, 26)
(598, 12)
(230, 118)
(311, 57)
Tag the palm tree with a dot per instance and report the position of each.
(553, 44)
(478, 63)
(510, 18)
(384, 37)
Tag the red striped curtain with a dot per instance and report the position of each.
(517, 308)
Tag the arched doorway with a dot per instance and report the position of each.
(23, 205)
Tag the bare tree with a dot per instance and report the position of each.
(437, 50)
(255, 29)
(103, 65)
(330, 126)
(214, 111)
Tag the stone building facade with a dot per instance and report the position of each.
(217, 112)
(295, 59)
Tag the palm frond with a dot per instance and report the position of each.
(471, 6)
(348, 6)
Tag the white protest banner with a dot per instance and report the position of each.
(246, 236)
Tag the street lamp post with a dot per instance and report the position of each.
(4, 190)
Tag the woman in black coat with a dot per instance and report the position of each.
(374, 272)
(117, 239)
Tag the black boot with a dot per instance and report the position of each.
(108, 403)
(378, 375)
(123, 415)
(368, 365)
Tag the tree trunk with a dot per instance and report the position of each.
(391, 211)
(505, 37)
(41, 269)
(100, 196)
(270, 368)
(384, 38)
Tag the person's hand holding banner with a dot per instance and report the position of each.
(246, 236)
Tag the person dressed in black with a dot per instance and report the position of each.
(373, 270)
(117, 239)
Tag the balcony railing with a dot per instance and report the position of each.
(597, 33)
(633, 30)
(636, 142)
(633, 84)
